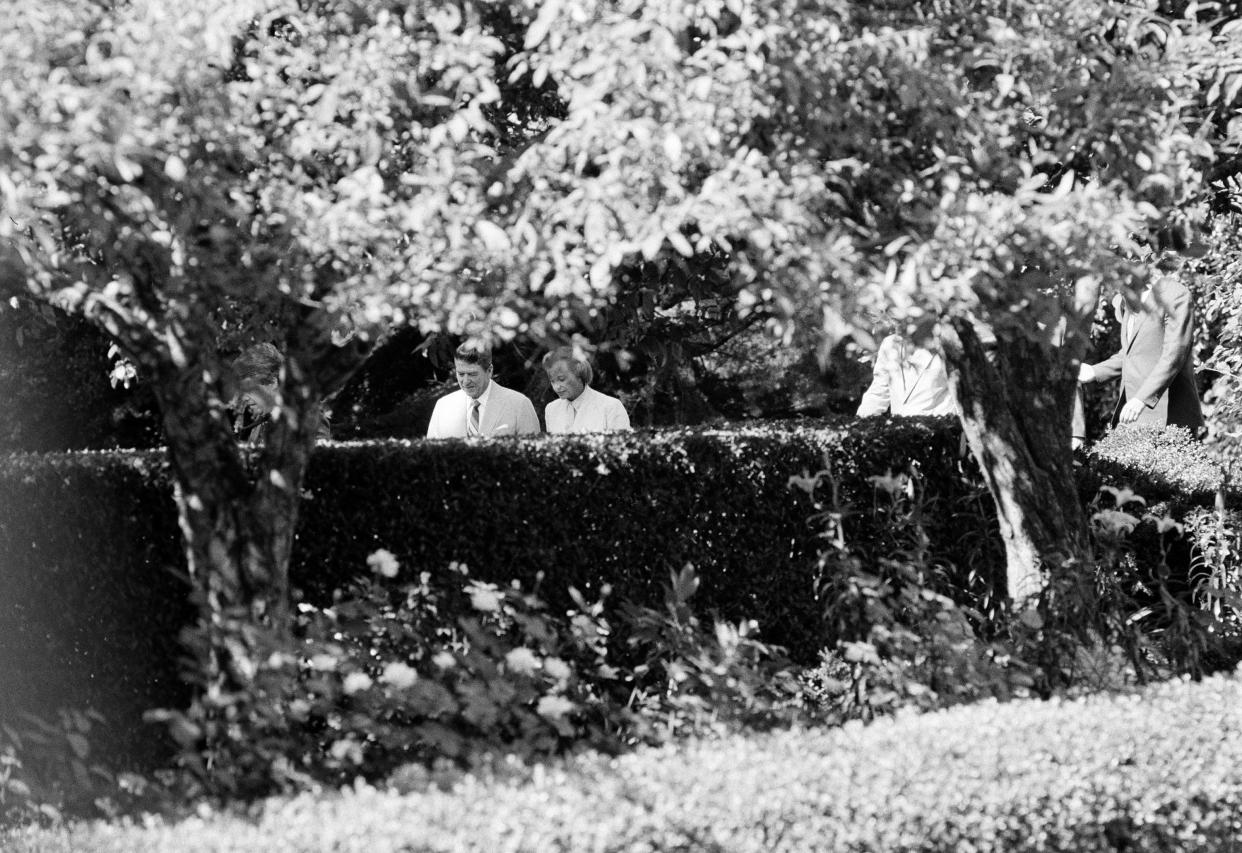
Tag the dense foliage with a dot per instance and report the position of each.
(64, 388)
(624, 512)
(909, 550)
(408, 675)
(652, 177)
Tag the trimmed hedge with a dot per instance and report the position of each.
(621, 510)
(1158, 770)
(91, 603)
(1159, 464)
(1177, 477)
(91, 600)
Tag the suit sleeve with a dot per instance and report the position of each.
(1179, 335)
(527, 420)
(877, 397)
(435, 429)
(1109, 368)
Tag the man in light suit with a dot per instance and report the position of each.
(1155, 362)
(481, 406)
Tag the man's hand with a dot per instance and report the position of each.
(1085, 373)
(1131, 410)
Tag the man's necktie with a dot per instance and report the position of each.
(472, 423)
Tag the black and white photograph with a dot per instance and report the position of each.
(642, 426)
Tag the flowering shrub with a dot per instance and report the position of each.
(396, 671)
(403, 677)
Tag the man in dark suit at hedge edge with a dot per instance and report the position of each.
(480, 406)
(1155, 362)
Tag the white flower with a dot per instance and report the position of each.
(382, 562)
(399, 675)
(522, 660)
(557, 668)
(323, 663)
(485, 597)
(347, 749)
(356, 682)
(444, 660)
(278, 660)
(554, 707)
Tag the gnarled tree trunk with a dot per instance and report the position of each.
(238, 520)
(1017, 403)
(237, 529)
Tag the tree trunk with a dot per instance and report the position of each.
(1017, 403)
(237, 526)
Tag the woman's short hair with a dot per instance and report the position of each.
(259, 363)
(580, 366)
(474, 352)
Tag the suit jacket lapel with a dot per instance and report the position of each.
(921, 371)
(1137, 326)
(1140, 318)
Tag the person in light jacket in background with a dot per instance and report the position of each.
(907, 380)
(579, 407)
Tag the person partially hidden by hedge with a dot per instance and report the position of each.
(578, 407)
(907, 379)
(1155, 361)
(258, 371)
(480, 406)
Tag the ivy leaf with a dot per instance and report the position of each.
(492, 236)
(80, 746)
(680, 243)
(542, 24)
(175, 169)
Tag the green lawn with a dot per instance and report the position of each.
(1157, 770)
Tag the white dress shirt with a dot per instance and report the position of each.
(482, 398)
(907, 380)
(591, 412)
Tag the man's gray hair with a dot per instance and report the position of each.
(474, 352)
(580, 366)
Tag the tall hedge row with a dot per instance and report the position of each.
(92, 594)
(620, 510)
(92, 589)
